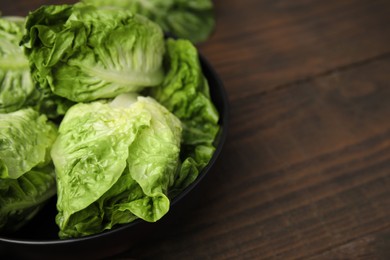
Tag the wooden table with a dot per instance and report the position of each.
(305, 172)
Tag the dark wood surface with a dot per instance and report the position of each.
(305, 173)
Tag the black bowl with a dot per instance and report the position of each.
(39, 240)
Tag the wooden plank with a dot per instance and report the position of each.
(373, 247)
(309, 174)
(259, 45)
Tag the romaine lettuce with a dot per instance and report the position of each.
(21, 199)
(114, 162)
(16, 86)
(124, 156)
(84, 53)
(25, 142)
(185, 92)
(27, 178)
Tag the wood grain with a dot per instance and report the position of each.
(309, 172)
(305, 173)
(259, 45)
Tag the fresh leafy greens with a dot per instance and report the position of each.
(16, 85)
(17, 88)
(193, 20)
(83, 53)
(27, 177)
(185, 92)
(25, 141)
(114, 162)
(139, 124)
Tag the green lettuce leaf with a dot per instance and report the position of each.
(83, 53)
(115, 162)
(25, 142)
(185, 92)
(16, 86)
(193, 20)
(22, 198)
(27, 177)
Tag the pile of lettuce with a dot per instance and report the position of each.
(98, 107)
(27, 176)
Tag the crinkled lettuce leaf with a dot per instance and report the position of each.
(84, 53)
(22, 198)
(193, 20)
(25, 142)
(27, 178)
(185, 92)
(16, 86)
(115, 162)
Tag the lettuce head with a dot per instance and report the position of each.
(27, 177)
(16, 85)
(185, 92)
(84, 53)
(114, 162)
